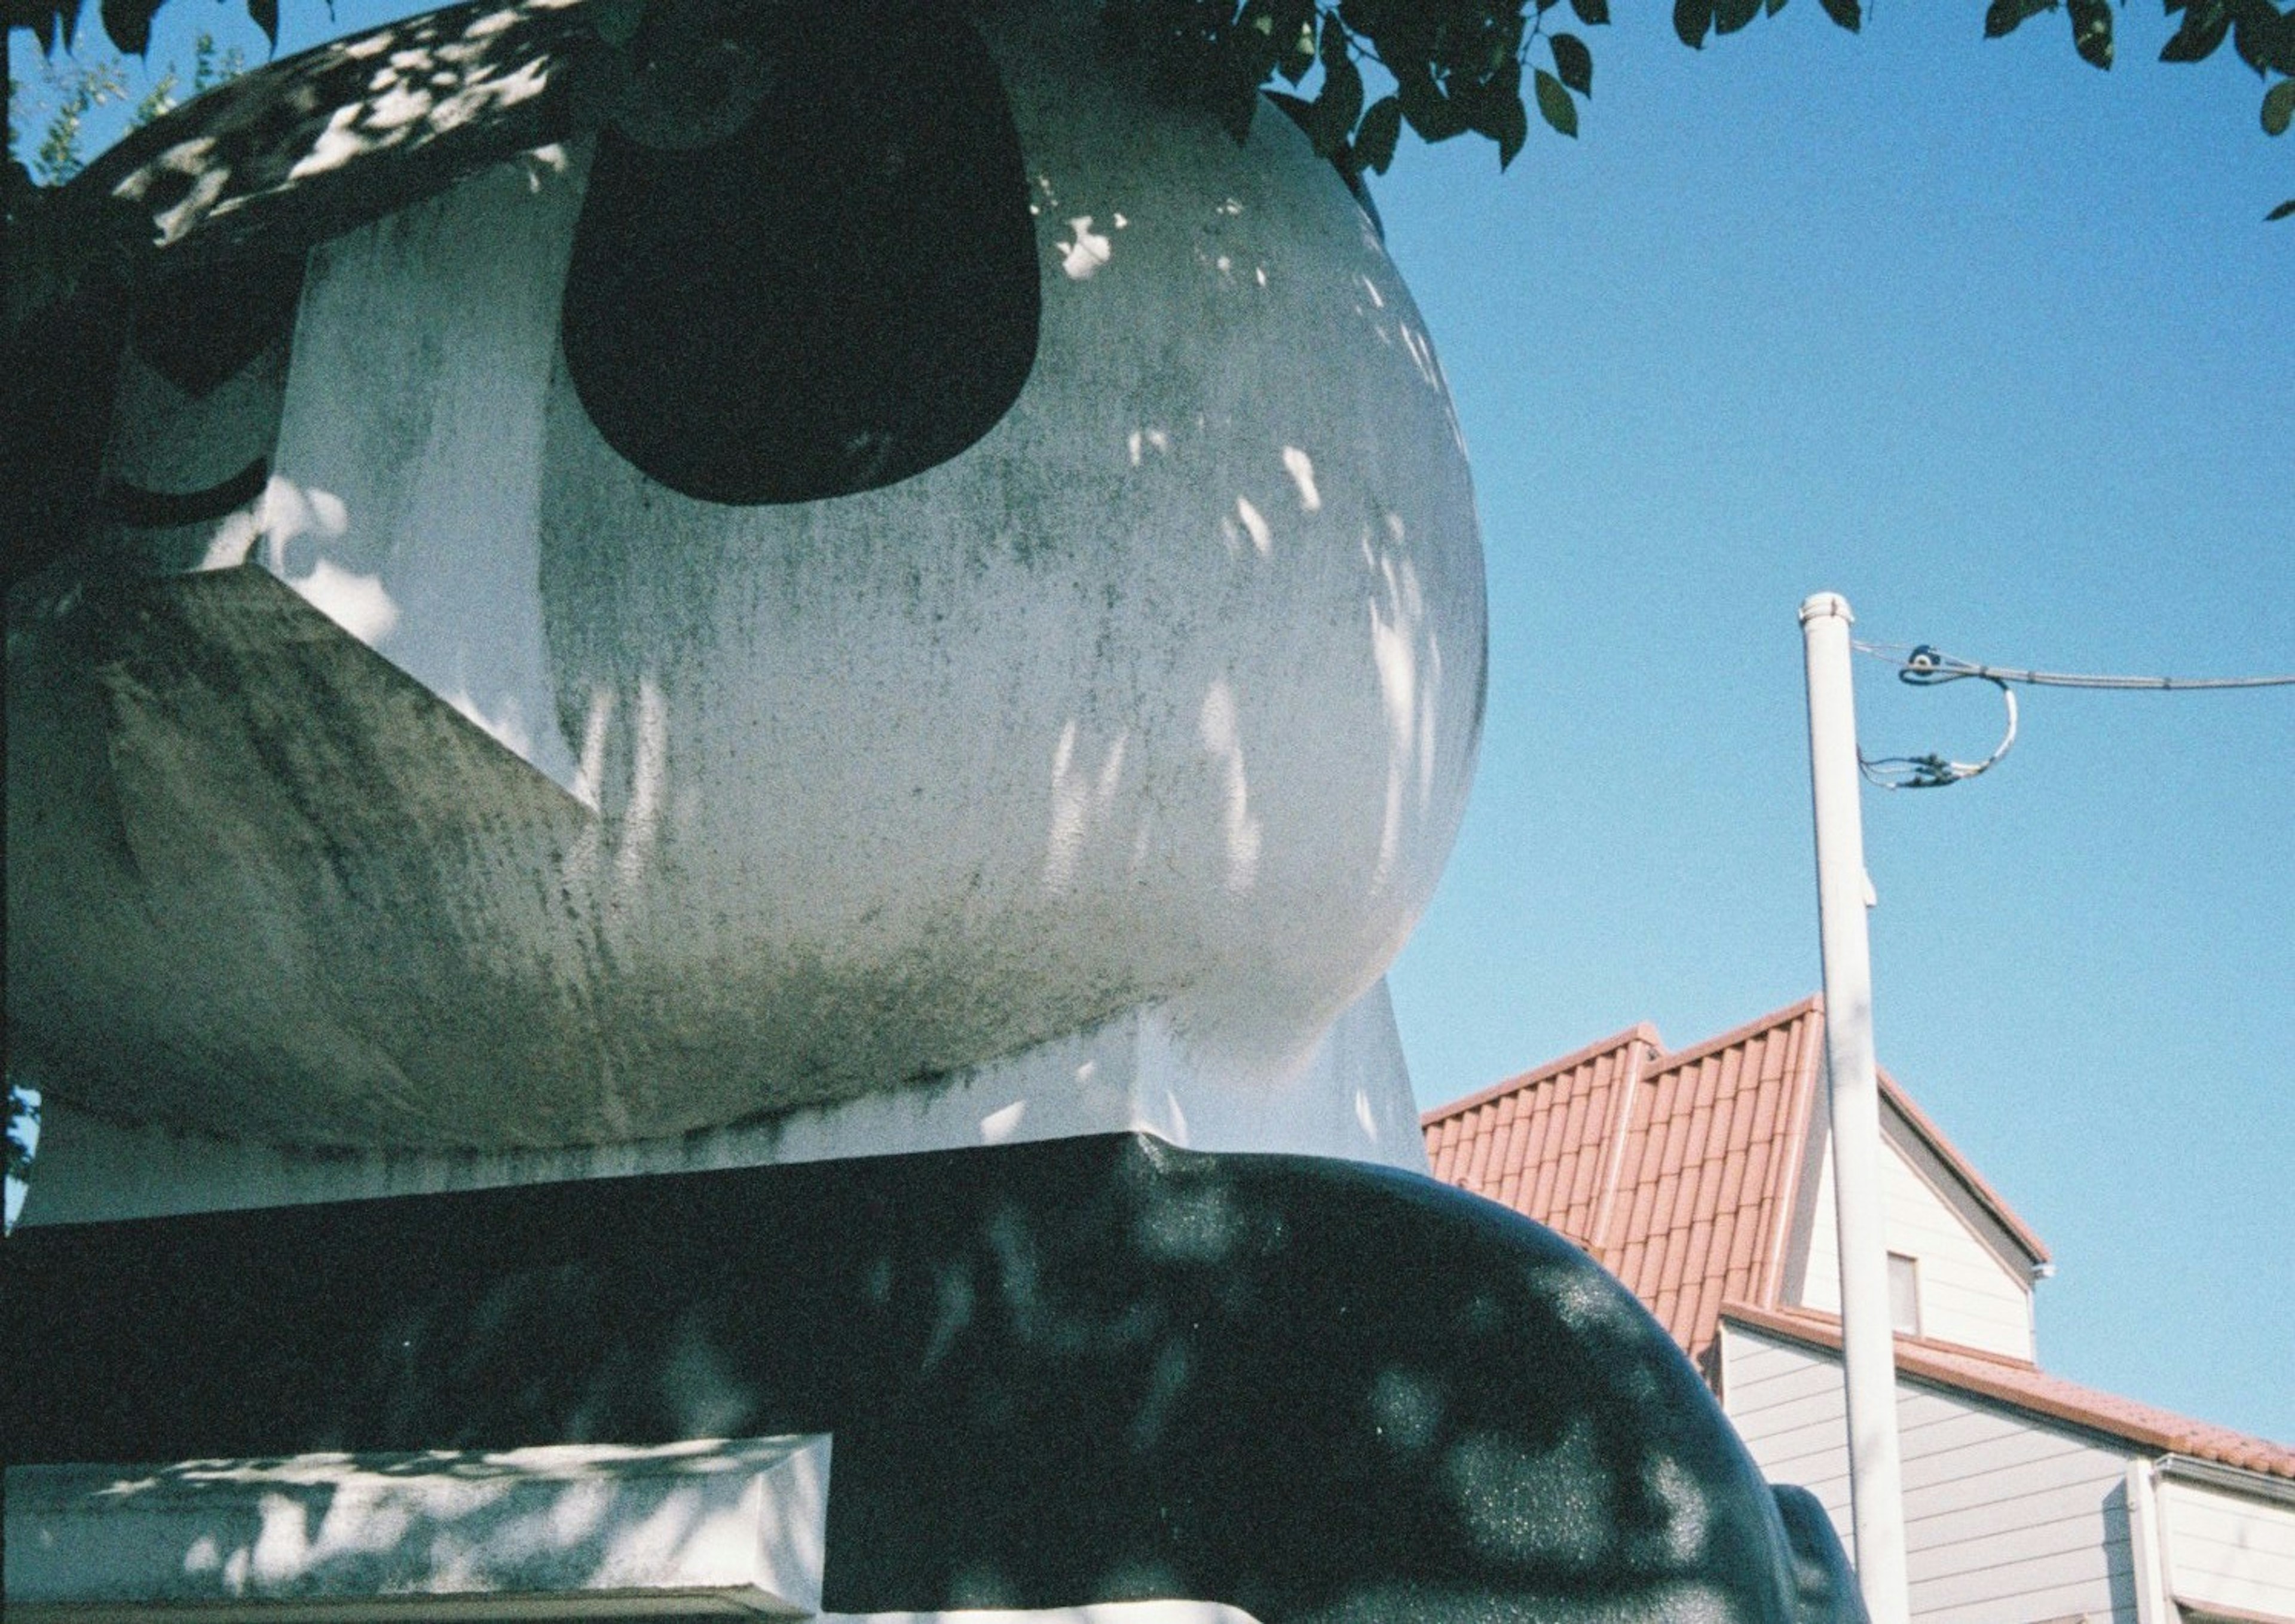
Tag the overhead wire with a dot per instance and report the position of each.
(1923, 666)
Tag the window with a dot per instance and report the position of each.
(1903, 1295)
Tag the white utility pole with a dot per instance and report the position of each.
(1868, 1354)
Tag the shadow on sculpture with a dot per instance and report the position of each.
(1082, 1371)
(987, 642)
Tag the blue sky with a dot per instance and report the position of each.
(1997, 347)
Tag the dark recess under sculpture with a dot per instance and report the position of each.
(1055, 1374)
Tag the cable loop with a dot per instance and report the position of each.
(1934, 771)
(1927, 667)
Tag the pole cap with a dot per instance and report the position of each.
(1817, 605)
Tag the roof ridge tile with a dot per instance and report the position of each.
(1639, 1032)
(1813, 1004)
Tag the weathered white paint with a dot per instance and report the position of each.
(796, 805)
(712, 1528)
(1132, 1074)
(414, 421)
(1852, 1090)
(741, 1524)
(2008, 1520)
(1970, 1293)
(2148, 1563)
(2227, 1552)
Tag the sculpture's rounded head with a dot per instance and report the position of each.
(684, 574)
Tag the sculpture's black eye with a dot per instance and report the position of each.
(200, 446)
(840, 293)
(201, 329)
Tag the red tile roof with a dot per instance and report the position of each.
(2027, 1388)
(1545, 1142)
(1677, 1171)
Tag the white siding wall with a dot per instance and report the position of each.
(2007, 1522)
(1968, 1295)
(2227, 1553)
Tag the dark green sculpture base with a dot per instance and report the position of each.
(1055, 1374)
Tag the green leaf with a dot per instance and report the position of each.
(2278, 107)
(1253, 47)
(1509, 126)
(1338, 106)
(1573, 62)
(1730, 15)
(2283, 211)
(1502, 47)
(1555, 105)
(1298, 52)
(1236, 103)
(1382, 128)
(49, 21)
(2092, 31)
(616, 21)
(265, 15)
(1693, 18)
(2007, 16)
(1427, 109)
(1846, 13)
(1593, 13)
(2203, 30)
(2264, 40)
(128, 22)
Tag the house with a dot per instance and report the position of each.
(1701, 1178)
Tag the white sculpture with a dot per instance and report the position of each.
(1085, 779)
